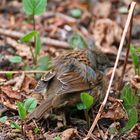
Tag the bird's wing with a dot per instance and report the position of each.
(79, 79)
(43, 82)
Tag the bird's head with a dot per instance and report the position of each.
(98, 57)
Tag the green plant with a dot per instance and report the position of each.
(57, 138)
(130, 102)
(3, 119)
(85, 104)
(33, 8)
(9, 75)
(76, 13)
(23, 108)
(15, 59)
(77, 41)
(135, 59)
(86, 101)
(36, 130)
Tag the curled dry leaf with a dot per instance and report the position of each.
(28, 84)
(68, 134)
(10, 93)
(8, 97)
(7, 102)
(107, 32)
(115, 112)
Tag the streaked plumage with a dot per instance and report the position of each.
(72, 73)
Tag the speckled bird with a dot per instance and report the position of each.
(72, 73)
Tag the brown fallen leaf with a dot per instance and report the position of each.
(9, 103)
(68, 134)
(10, 93)
(9, 97)
(115, 112)
(106, 32)
(28, 84)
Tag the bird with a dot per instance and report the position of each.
(71, 73)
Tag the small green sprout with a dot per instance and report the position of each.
(85, 104)
(23, 108)
(135, 59)
(130, 101)
(77, 41)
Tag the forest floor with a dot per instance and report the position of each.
(101, 21)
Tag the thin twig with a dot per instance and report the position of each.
(15, 72)
(127, 54)
(132, 6)
(44, 40)
(65, 17)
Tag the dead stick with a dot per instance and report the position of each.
(132, 6)
(45, 40)
(127, 54)
(15, 72)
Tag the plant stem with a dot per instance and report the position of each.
(87, 118)
(34, 28)
(22, 128)
(32, 53)
(34, 23)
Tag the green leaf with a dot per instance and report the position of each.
(80, 106)
(76, 13)
(130, 101)
(135, 57)
(21, 110)
(57, 138)
(15, 125)
(28, 36)
(128, 96)
(36, 130)
(15, 59)
(43, 63)
(30, 104)
(87, 99)
(3, 119)
(132, 119)
(38, 44)
(9, 75)
(34, 7)
(77, 41)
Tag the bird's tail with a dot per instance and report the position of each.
(38, 113)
